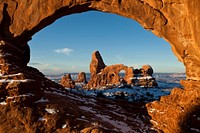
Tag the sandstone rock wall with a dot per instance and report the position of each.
(177, 21)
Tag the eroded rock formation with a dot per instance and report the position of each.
(147, 70)
(81, 78)
(176, 21)
(67, 81)
(97, 63)
(109, 76)
(103, 76)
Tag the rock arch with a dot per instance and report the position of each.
(171, 20)
(110, 75)
(177, 21)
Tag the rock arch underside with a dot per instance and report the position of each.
(26, 95)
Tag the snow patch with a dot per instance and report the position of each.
(88, 109)
(3, 103)
(56, 93)
(119, 126)
(64, 126)
(23, 95)
(83, 117)
(6, 54)
(42, 100)
(146, 77)
(51, 111)
(42, 119)
(11, 75)
(12, 80)
(194, 129)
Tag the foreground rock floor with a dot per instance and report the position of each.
(31, 103)
(62, 111)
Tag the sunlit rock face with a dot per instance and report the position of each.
(81, 78)
(110, 75)
(103, 76)
(67, 81)
(178, 112)
(97, 63)
(147, 70)
(177, 21)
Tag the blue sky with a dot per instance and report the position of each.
(67, 44)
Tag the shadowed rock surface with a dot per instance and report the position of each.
(177, 21)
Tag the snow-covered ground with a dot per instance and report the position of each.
(166, 82)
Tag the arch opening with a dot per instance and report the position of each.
(122, 73)
(126, 50)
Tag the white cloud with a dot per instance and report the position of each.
(65, 51)
(118, 57)
(73, 67)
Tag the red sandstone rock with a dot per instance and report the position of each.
(106, 75)
(81, 78)
(147, 70)
(96, 64)
(110, 75)
(67, 81)
(185, 113)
